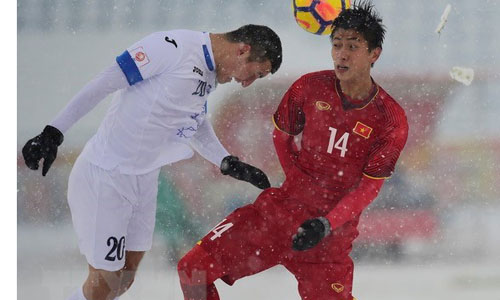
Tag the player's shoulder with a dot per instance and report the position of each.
(177, 36)
(319, 76)
(315, 79)
(388, 105)
(187, 46)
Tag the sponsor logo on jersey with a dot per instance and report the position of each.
(337, 287)
(322, 105)
(362, 130)
(140, 57)
(197, 70)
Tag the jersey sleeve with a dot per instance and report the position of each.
(385, 152)
(105, 83)
(289, 117)
(154, 54)
(206, 143)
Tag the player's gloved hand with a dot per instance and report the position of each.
(43, 146)
(310, 233)
(233, 167)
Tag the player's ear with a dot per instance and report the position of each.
(244, 49)
(375, 54)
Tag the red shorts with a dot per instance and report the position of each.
(259, 236)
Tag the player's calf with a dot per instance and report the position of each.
(107, 285)
(102, 284)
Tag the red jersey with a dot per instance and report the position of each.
(342, 139)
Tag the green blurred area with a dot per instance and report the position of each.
(173, 220)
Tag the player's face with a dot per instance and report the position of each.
(351, 56)
(242, 70)
(249, 71)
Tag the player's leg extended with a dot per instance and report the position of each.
(324, 281)
(102, 284)
(197, 273)
(241, 245)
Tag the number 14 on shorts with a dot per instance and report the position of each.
(219, 229)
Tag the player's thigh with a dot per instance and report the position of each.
(100, 216)
(322, 281)
(244, 243)
(142, 223)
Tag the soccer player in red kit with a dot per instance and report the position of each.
(352, 135)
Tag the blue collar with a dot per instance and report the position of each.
(208, 59)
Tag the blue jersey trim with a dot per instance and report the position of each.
(129, 68)
(208, 59)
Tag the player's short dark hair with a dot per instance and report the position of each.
(264, 42)
(365, 20)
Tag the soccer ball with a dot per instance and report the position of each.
(316, 16)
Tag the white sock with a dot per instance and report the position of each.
(77, 295)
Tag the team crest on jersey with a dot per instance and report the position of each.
(362, 130)
(337, 287)
(140, 57)
(322, 105)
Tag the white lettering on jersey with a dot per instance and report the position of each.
(340, 144)
(219, 229)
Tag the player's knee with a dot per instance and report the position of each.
(102, 284)
(197, 267)
(127, 279)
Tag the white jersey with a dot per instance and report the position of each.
(149, 123)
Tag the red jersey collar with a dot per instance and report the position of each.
(348, 103)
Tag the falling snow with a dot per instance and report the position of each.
(430, 234)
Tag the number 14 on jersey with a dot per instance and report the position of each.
(219, 229)
(340, 144)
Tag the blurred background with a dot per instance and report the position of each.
(433, 231)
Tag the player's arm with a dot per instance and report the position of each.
(286, 149)
(152, 56)
(206, 143)
(381, 164)
(350, 206)
(156, 53)
(289, 121)
(144, 59)
(46, 143)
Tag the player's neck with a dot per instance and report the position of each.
(219, 48)
(357, 88)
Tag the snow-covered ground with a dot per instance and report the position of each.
(50, 267)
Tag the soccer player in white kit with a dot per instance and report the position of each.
(156, 118)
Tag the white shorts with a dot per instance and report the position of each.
(112, 212)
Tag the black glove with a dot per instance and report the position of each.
(233, 167)
(310, 233)
(43, 146)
